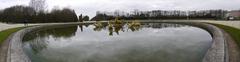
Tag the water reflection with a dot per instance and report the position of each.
(40, 37)
(81, 27)
(118, 42)
(133, 26)
(55, 31)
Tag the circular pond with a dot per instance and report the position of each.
(148, 42)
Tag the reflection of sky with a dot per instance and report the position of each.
(89, 35)
(191, 41)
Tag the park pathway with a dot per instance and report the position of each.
(4, 26)
(235, 24)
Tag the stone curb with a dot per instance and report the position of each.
(218, 50)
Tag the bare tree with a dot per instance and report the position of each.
(38, 5)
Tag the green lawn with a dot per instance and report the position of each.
(5, 33)
(234, 32)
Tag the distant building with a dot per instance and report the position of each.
(233, 15)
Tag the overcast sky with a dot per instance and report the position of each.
(89, 7)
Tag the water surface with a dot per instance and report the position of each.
(150, 42)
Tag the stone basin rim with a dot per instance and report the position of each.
(216, 53)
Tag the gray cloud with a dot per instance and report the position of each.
(89, 7)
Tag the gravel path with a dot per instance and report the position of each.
(235, 24)
(4, 26)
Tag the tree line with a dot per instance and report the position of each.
(20, 14)
(35, 13)
(161, 15)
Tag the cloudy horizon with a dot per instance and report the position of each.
(89, 7)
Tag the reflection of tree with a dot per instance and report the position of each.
(38, 44)
(134, 28)
(86, 25)
(115, 26)
(63, 32)
(38, 39)
(55, 31)
(134, 25)
(81, 27)
(98, 26)
(110, 29)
